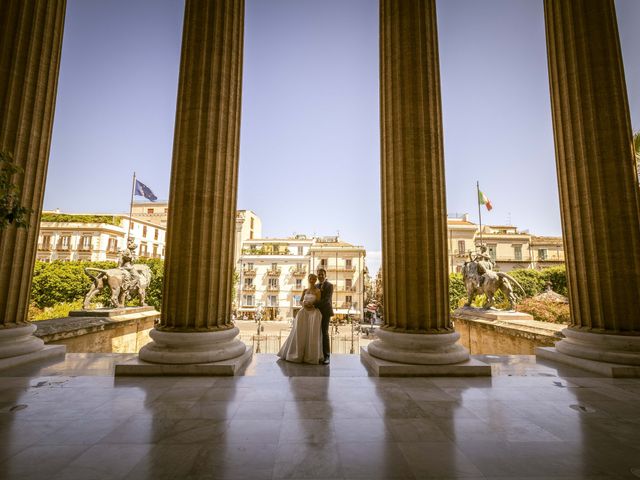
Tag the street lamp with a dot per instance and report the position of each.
(259, 322)
(351, 320)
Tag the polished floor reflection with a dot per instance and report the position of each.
(73, 420)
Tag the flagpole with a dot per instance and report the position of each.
(133, 189)
(479, 210)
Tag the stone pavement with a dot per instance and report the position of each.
(74, 420)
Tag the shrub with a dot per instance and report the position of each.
(67, 217)
(457, 292)
(546, 311)
(57, 311)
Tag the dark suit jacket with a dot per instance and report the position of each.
(325, 304)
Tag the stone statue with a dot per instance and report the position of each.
(123, 281)
(479, 278)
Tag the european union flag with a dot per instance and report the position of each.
(144, 191)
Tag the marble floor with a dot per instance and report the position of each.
(74, 420)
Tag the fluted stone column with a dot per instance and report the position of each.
(597, 179)
(195, 324)
(417, 327)
(31, 43)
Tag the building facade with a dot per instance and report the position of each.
(67, 237)
(508, 247)
(273, 273)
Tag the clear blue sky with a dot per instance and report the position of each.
(310, 120)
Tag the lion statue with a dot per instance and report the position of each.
(121, 282)
(489, 283)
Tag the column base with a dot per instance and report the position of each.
(189, 348)
(601, 347)
(614, 370)
(48, 352)
(418, 349)
(383, 368)
(19, 340)
(230, 367)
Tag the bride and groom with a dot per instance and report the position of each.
(308, 341)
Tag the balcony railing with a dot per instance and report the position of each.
(274, 272)
(273, 288)
(44, 247)
(340, 268)
(299, 272)
(249, 288)
(249, 272)
(82, 248)
(64, 248)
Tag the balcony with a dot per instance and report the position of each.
(44, 247)
(298, 272)
(82, 248)
(340, 268)
(248, 288)
(249, 272)
(347, 289)
(273, 288)
(63, 248)
(274, 272)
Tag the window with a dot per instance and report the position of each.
(149, 211)
(323, 263)
(112, 244)
(542, 254)
(296, 299)
(248, 282)
(65, 242)
(143, 249)
(491, 250)
(247, 300)
(274, 266)
(155, 251)
(144, 230)
(273, 283)
(461, 247)
(273, 301)
(298, 283)
(347, 282)
(249, 266)
(155, 234)
(517, 252)
(46, 242)
(300, 251)
(348, 299)
(85, 242)
(458, 269)
(347, 263)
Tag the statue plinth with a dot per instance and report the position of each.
(470, 313)
(109, 312)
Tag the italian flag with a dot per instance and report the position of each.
(483, 200)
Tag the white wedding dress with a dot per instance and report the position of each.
(304, 343)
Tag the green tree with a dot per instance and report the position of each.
(11, 211)
(457, 290)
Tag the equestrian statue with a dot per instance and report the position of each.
(124, 280)
(479, 278)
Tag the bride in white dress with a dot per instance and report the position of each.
(304, 344)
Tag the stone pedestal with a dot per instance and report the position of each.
(471, 313)
(31, 39)
(596, 170)
(417, 327)
(195, 325)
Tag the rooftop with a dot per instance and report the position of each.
(73, 419)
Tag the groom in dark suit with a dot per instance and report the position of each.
(325, 305)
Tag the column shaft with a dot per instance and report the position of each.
(597, 176)
(412, 170)
(200, 231)
(31, 39)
